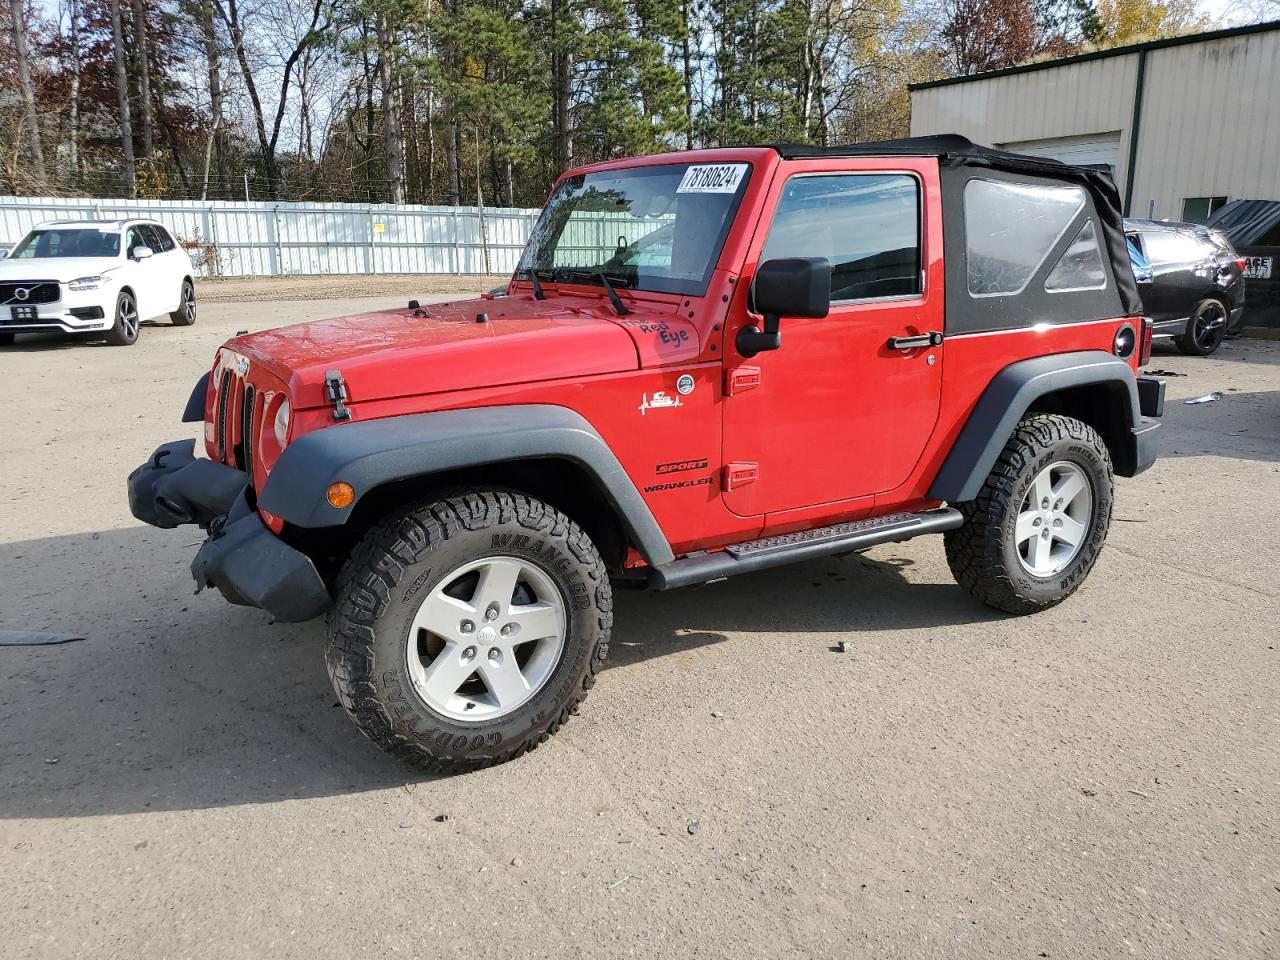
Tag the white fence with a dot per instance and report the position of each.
(256, 239)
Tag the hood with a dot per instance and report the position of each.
(61, 269)
(442, 347)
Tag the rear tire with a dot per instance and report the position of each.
(124, 332)
(6, 339)
(1206, 328)
(490, 605)
(185, 315)
(1032, 535)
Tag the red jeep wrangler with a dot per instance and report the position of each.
(707, 363)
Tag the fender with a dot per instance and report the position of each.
(371, 453)
(194, 410)
(1008, 396)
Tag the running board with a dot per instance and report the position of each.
(805, 545)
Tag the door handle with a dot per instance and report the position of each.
(931, 339)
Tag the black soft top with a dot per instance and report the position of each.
(960, 158)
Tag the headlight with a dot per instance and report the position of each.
(282, 424)
(84, 284)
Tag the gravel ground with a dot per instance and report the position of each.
(1100, 780)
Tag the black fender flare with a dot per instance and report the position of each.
(1008, 397)
(368, 454)
(194, 410)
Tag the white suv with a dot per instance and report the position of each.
(88, 276)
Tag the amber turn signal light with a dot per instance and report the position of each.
(341, 494)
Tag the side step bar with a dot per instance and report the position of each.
(805, 545)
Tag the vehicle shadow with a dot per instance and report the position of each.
(178, 702)
(57, 340)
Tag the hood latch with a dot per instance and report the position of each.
(336, 388)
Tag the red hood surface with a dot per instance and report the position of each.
(393, 353)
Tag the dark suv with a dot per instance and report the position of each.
(1193, 291)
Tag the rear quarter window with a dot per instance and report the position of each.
(1010, 230)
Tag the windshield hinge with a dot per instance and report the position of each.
(336, 389)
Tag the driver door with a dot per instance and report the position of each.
(838, 414)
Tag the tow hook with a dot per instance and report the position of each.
(336, 388)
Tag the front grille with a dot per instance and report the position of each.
(224, 390)
(35, 291)
(244, 449)
(234, 421)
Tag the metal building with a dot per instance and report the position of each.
(1185, 124)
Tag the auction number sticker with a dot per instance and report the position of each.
(712, 178)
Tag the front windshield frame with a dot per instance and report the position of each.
(539, 253)
(28, 247)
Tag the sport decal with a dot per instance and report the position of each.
(680, 466)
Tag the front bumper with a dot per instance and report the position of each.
(73, 313)
(248, 563)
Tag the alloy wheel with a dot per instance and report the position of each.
(1053, 522)
(128, 318)
(486, 639)
(1209, 324)
(189, 302)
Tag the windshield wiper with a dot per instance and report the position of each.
(619, 307)
(537, 285)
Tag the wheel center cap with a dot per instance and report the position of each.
(488, 634)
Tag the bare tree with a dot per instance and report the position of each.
(122, 92)
(143, 58)
(392, 127)
(73, 103)
(23, 58)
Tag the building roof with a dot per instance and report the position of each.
(1101, 54)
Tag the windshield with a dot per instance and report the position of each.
(76, 242)
(652, 228)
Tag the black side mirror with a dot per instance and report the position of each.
(792, 287)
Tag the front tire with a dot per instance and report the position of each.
(185, 315)
(1206, 328)
(467, 630)
(1032, 535)
(124, 332)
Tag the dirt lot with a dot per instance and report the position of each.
(1101, 780)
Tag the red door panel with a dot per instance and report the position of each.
(837, 414)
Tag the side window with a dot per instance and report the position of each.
(867, 225)
(134, 239)
(1080, 266)
(151, 238)
(1010, 229)
(166, 241)
(1168, 246)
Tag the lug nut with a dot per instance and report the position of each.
(466, 626)
(495, 654)
(492, 612)
(1036, 522)
(469, 653)
(1044, 504)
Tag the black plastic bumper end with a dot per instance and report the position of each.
(253, 567)
(173, 487)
